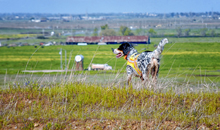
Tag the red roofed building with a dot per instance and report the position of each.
(107, 39)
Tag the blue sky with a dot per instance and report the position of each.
(107, 6)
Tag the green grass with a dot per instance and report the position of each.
(8, 36)
(35, 40)
(178, 59)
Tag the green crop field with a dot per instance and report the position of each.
(178, 59)
(6, 36)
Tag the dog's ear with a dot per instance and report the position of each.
(126, 47)
(131, 45)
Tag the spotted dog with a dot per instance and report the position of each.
(141, 64)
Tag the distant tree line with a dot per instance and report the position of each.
(106, 31)
(204, 32)
(125, 31)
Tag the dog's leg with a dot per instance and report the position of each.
(141, 77)
(154, 75)
(145, 76)
(147, 73)
(129, 74)
(158, 69)
(154, 70)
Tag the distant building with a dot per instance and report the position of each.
(35, 20)
(74, 40)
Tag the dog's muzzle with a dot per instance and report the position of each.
(117, 52)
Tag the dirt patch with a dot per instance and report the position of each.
(99, 124)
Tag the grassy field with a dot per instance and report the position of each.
(185, 97)
(22, 38)
(6, 36)
(77, 105)
(195, 59)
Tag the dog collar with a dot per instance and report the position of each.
(126, 56)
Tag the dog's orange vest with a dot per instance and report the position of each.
(132, 61)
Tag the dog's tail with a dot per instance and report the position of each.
(159, 49)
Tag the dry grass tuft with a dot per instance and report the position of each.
(75, 103)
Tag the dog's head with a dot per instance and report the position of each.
(123, 50)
